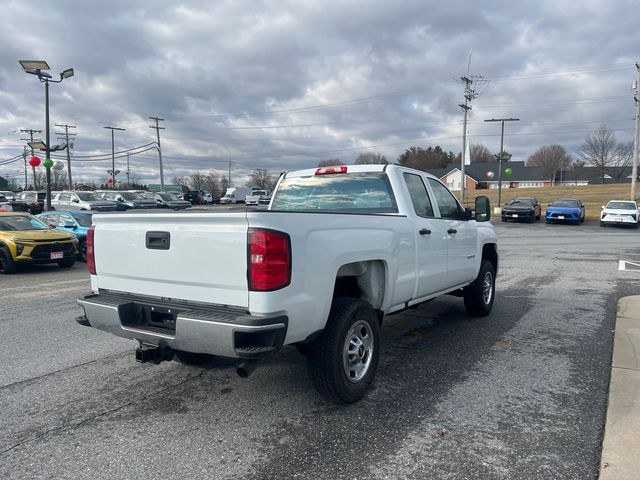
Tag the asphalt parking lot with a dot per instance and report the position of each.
(519, 394)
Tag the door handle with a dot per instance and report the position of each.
(451, 231)
(424, 231)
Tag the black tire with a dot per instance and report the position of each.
(581, 219)
(67, 263)
(547, 221)
(7, 265)
(504, 219)
(602, 224)
(479, 296)
(83, 251)
(190, 358)
(351, 322)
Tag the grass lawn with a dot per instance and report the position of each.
(593, 196)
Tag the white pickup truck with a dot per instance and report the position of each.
(338, 249)
(255, 197)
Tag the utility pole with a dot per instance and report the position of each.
(229, 182)
(157, 129)
(501, 157)
(634, 168)
(66, 139)
(469, 95)
(24, 157)
(128, 183)
(113, 156)
(30, 131)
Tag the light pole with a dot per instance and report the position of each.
(113, 157)
(36, 67)
(501, 120)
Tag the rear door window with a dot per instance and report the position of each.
(419, 196)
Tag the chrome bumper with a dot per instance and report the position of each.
(216, 330)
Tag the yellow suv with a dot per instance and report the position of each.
(26, 239)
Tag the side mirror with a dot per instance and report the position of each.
(70, 225)
(120, 199)
(483, 209)
(75, 200)
(602, 206)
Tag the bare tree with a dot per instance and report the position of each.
(330, 162)
(59, 180)
(479, 153)
(261, 179)
(551, 159)
(212, 184)
(224, 184)
(622, 159)
(599, 149)
(196, 181)
(371, 158)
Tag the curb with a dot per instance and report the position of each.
(621, 444)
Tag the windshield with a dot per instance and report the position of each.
(20, 223)
(622, 205)
(83, 219)
(259, 192)
(89, 197)
(565, 203)
(347, 193)
(131, 196)
(521, 202)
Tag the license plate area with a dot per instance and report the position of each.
(56, 255)
(561, 217)
(149, 317)
(514, 215)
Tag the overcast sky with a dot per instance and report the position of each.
(282, 84)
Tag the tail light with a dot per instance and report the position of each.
(269, 262)
(91, 260)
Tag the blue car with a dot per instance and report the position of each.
(75, 221)
(565, 210)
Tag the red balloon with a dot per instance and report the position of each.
(110, 180)
(34, 161)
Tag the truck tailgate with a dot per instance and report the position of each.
(204, 257)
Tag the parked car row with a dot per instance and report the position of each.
(570, 210)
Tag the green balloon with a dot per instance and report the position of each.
(48, 163)
(508, 171)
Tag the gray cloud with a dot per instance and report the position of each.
(216, 70)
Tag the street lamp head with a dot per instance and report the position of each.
(34, 65)
(66, 73)
(37, 145)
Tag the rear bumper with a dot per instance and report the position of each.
(215, 330)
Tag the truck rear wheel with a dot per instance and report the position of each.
(343, 360)
(478, 297)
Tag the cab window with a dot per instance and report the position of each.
(447, 203)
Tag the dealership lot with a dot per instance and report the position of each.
(519, 394)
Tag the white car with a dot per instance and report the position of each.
(620, 212)
(10, 196)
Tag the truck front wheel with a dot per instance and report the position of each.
(478, 297)
(343, 360)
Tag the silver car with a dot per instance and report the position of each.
(74, 200)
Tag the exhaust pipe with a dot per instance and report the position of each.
(246, 368)
(153, 353)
